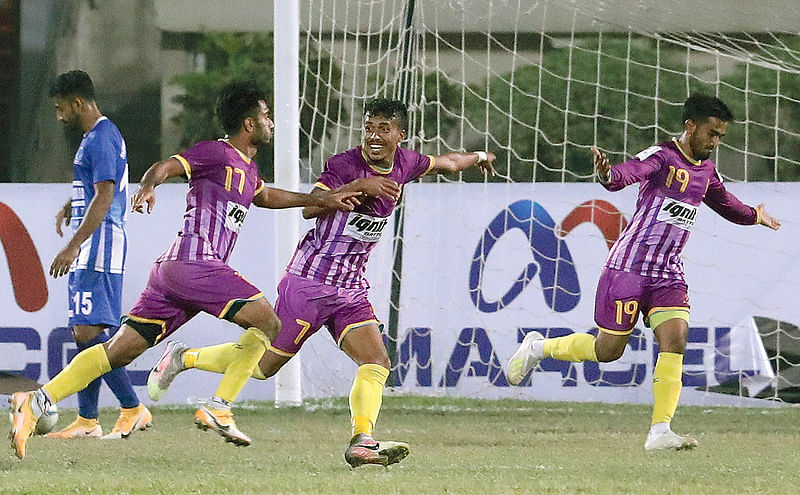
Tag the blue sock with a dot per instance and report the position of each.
(119, 382)
(88, 397)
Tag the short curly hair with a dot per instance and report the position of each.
(237, 101)
(699, 107)
(390, 109)
(75, 83)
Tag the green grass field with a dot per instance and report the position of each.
(457, 446)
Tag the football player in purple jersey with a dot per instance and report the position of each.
(324, 284)
(643, 272)
(193, 274)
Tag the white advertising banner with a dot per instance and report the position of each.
(34, 340)
(482, 265)
(485, 264)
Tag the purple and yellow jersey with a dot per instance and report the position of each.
(336, 250)
(672, 186)
(222, 184)
(101, 157)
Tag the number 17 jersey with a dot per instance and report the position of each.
(222, 184)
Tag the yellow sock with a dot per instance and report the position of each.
(666, 386)
(247, 353)
(216, 358)
(576, 347)
(366, 397)
(80, 372)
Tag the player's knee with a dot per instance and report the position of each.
(608, 354)
(84, 333)
(119, 357)
(272, 325)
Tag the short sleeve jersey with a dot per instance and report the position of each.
(222, 184)
(672, 186)
(336, 250)
(101, 157)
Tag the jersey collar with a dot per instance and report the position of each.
(688, 158)
(246, 158)
(382, 171)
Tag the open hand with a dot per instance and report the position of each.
(341, 200)
(141, 197)
(602, 166)
(379, 186)
(63, 260)
(767, 219)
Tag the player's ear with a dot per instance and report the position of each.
(249, 124)
(689, 126)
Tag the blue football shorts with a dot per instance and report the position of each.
(95, 298)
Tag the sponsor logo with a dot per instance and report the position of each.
(677, 213)
(552, 261)
(234, 216)
(364, 227)
(24, 265)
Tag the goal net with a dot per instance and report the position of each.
(474, 263)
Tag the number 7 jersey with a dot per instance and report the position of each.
(222, 184)
(672, 186)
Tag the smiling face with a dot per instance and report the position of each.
(705, 136)
(382, 135)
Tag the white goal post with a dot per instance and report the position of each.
(540, 83)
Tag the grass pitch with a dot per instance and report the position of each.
(458, 446)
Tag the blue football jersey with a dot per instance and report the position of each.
(101, 157)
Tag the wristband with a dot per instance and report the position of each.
(482, 156)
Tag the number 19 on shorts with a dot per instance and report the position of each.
(82, 303)
(626, 311)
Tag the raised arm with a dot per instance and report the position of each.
(155, 175)
(729, 207)
(626, 173)
(456, 162)
(95, 213)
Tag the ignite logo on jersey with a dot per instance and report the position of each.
(234, 216)
(677, 213)
(364, 227)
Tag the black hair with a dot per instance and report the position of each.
(75, 83)
(237, 101)
(390, 109)
(699, 107)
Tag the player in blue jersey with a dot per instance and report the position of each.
(95, 255)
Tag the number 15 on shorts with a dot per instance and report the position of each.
(82, 303)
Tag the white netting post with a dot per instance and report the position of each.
(288, 391)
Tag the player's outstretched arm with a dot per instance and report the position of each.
(365, 186)
(456, 162)
(274, 198)
(155, 175)
(766, 219)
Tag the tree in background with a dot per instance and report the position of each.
(635, 107)
(234, 56)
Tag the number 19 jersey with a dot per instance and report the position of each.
(672, 186)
